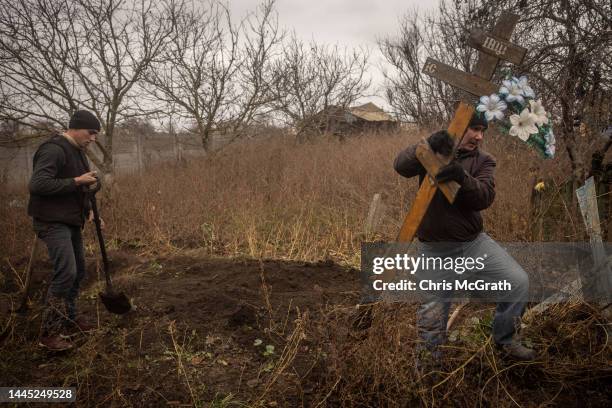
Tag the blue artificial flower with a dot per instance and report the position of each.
(492, 106)
(512, 91)
(524, 87)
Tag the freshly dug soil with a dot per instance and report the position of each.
(197, 323)
(241, 332)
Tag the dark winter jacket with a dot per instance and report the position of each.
(54, 195)
(460, 221)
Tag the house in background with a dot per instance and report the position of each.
(367, 118)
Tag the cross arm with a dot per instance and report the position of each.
(459, 79)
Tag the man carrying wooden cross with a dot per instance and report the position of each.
(455, 187)
(456, 230)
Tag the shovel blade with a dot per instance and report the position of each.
(116, 303)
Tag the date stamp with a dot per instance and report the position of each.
(37, 394)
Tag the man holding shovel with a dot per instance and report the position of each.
(456, 230)
(59, 207)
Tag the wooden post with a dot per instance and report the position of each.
(375, 215)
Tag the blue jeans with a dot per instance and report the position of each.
(432, 315)
(65, 247)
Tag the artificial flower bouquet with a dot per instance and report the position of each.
(519, 114)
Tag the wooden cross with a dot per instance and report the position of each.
(493, 47)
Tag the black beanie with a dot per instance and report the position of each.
(478, 119)
(84, 120)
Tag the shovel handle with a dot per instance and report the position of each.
(94, 188)
(94, 207)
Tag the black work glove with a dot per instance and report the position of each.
(441, 142)
(452, 171)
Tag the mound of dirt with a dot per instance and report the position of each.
(202, 329)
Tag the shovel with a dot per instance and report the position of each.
(114, 302)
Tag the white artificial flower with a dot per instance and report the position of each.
(513, 91)
(492, 107)
(523, 125)
(538, 111)
(524, 86)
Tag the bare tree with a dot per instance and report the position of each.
(60, 56)
(215, 71)
(35, 45)
(570, 45)
(309, 78)
(568, 61)
(195, 71)
(261, 46)
(414, 96)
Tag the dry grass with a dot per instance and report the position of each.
(280, 199)
(377, 369)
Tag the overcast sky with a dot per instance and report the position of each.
(350, 23)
